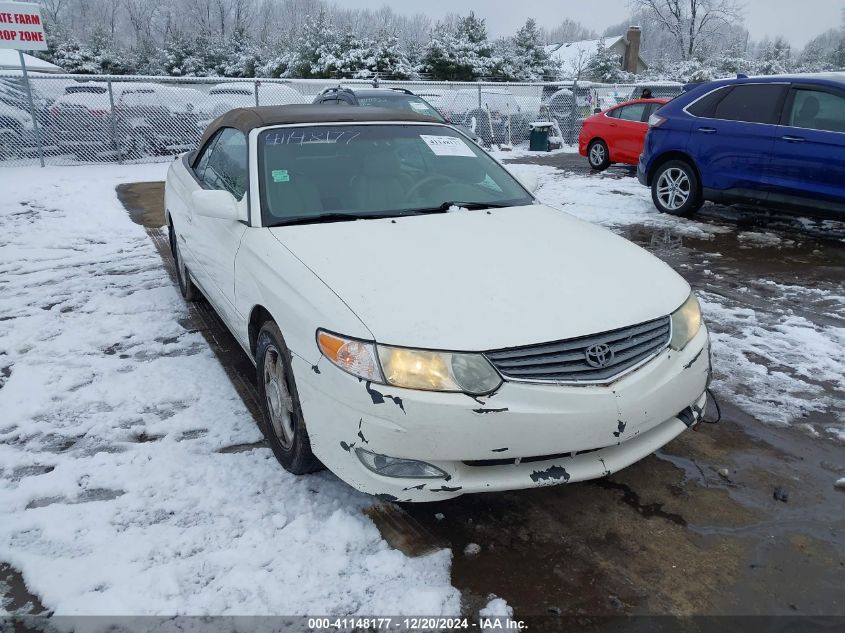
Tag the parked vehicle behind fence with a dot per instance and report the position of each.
(392, 98)
(766, 141)
(80, 122)
(242, 94)
(616, 135)
(493, 114)
(167, 118)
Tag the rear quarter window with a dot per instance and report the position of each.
(705, 105)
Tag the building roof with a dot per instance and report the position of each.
(246, 119)
(9, 60)
(573, 56)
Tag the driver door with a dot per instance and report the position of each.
(216, 241)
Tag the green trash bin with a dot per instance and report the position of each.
(538, 140)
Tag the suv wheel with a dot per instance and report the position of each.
(597, 155)
(675, 189)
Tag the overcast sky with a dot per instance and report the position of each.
(798, 20)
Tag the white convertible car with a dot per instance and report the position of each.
(419, 323)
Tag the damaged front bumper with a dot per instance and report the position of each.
(522, 436)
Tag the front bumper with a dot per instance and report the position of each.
(565, 433)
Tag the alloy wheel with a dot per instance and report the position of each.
(673, 188)
(277, 394)
(597, 154)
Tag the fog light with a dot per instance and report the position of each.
(398, 466)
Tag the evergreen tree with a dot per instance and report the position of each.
(530, 56)
(462, 53)
(315, 45)
(605, 67)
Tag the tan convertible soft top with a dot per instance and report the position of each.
(246, 119)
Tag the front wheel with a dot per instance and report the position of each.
(283, 424)
(675, 189)
(598, 155)
(186, 285)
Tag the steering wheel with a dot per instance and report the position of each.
(428, 179)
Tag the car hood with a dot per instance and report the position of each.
(482, 280)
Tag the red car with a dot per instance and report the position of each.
(616, 135)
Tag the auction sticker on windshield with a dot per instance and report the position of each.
(447, 145)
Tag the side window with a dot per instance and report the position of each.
(752, 103)
(227, 163)
(817, 110)
(705, 105)
(199, 170)
(633, 112)
(614, 114)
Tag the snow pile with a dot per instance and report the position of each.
(611, 200)
(115, 497)
(497, 615)
(779, 368)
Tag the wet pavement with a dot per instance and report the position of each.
(695, 528)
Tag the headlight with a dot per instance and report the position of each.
(686, 321)
(437, 371)
(353, 356)
(410, 368)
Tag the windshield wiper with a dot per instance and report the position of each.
(329, 217)
(347, 217)
(455, 203)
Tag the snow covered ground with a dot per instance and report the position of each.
(114, 497)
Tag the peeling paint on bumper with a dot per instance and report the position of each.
(618, 424)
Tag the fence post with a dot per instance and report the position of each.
(479, 93)
(32, 109)
(572, 112)
(257, 83)
(117, 148)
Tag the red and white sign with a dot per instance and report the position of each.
(21, 27)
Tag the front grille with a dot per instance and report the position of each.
(566, 361)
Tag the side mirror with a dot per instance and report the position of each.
(528, 179)
(596, 110)
(216, 203)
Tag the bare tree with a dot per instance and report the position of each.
(693, 24)
(53, 10)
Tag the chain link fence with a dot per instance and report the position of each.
(92, 119)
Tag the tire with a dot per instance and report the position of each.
(598, 155)
(189, 290)
(282, 422)
(675, 189)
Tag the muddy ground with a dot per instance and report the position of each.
(670, 534)
(692, 529)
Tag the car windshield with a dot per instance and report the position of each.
(402, 102)
(339, 172)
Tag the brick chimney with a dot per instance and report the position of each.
(632, 49)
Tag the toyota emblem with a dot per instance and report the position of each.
(599, 355)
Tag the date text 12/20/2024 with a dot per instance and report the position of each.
(494, 623)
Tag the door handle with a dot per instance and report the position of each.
(707, 130)
(793, 139)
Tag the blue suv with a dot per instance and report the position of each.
(771, 141)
